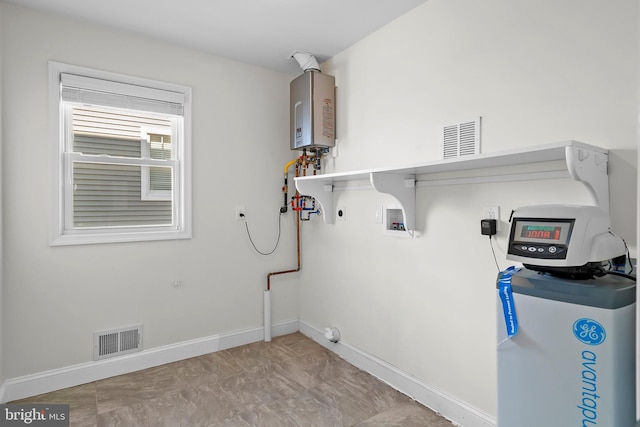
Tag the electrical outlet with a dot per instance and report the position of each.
(492, 212)
(241, 214)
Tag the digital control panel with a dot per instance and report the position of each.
(540, 238)
(562, 236)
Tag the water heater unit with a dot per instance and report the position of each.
(312, 103)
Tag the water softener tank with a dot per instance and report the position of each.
(312, 111)
(572, 360)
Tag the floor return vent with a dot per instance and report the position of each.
(116, 342)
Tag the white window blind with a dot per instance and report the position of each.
(89, 90)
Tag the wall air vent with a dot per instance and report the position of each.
(461, 139)
(116, 342)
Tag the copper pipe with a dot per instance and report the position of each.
(275, 273)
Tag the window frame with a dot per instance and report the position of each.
(61, 163)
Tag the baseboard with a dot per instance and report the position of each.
(458, 412)
(3, 391)
(44, 382)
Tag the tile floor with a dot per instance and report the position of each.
(291, 381)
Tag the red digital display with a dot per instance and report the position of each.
(544, 232)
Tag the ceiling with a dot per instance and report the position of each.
(260, 32)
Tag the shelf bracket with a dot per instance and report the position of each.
(590, 168)
(403, 188)
(323, 193)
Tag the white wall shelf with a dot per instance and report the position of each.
(584, 163)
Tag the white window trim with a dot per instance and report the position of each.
(59, 234)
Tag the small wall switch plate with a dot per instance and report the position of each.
(379, 215)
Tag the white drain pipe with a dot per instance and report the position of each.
(267, 292)
(267, 316)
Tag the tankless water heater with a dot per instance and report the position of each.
(312, 103)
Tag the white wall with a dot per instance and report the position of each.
(56, 297)
(537, 72)
(1, 221)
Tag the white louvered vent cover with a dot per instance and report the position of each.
(461, 139)
(116, 342)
